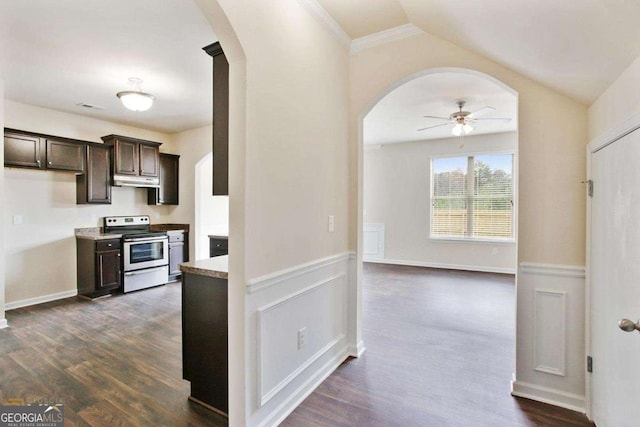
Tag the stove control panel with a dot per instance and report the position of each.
(120, 221)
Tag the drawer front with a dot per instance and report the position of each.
(218, 247)
(107, 245)
(176, 237)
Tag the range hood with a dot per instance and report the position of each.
(136, 181)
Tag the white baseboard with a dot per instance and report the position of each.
(443, 266)
(3, 323)
(295, 399)
(551, 396)
(356, 351)
(39, 300)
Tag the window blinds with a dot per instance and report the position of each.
(472, 197)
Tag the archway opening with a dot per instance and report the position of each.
(440, 203)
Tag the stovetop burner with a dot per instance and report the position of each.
(136, 226)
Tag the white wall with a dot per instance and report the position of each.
(211, 212)
(397, 185)
(620, 101)
(551, 199)
(40, 253)
(3, 322)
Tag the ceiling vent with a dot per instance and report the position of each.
(89, 106)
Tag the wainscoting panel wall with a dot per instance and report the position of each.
(373, 241)
(298, 333)
(551, 359)
(549, 331)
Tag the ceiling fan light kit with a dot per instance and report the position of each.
(462, 120)
(136, 100)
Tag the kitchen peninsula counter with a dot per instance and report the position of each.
(205, 331)
(217, 267)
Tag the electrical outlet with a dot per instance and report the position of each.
(17, 219)
(332, 223)
(302, 338)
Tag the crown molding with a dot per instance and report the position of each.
(386, 36)
(323, 17)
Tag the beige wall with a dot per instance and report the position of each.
(620, 101)
(296, 135)
(40, 254)
(397, 185)
(289, 162)
(552, 136)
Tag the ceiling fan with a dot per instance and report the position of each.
(462, 120)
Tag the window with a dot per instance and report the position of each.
(472, 197)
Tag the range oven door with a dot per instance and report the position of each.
(145, 253)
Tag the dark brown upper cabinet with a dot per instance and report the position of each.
(167, 194)
(94, 186)
(135, 157)
(23, 150)
(37, 151)
(66, 156)
(220, 119)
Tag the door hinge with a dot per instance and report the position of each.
(590, 187)
(589, 364)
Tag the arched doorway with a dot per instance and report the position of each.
(480, 253)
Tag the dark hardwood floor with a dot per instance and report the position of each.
(439, 352)
(114, 361)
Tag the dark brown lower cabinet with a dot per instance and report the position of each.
(205, 340)
(218, 246)
(99, 270)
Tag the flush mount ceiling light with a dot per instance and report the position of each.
(136, 100)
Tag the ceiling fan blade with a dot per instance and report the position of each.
(481, 112)
(435, 126)
(436, 117)
(504, 119)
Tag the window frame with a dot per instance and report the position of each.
(514, 198)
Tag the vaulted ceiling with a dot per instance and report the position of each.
(61, 54)
(577, 47)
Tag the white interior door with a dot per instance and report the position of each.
(615, 282)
